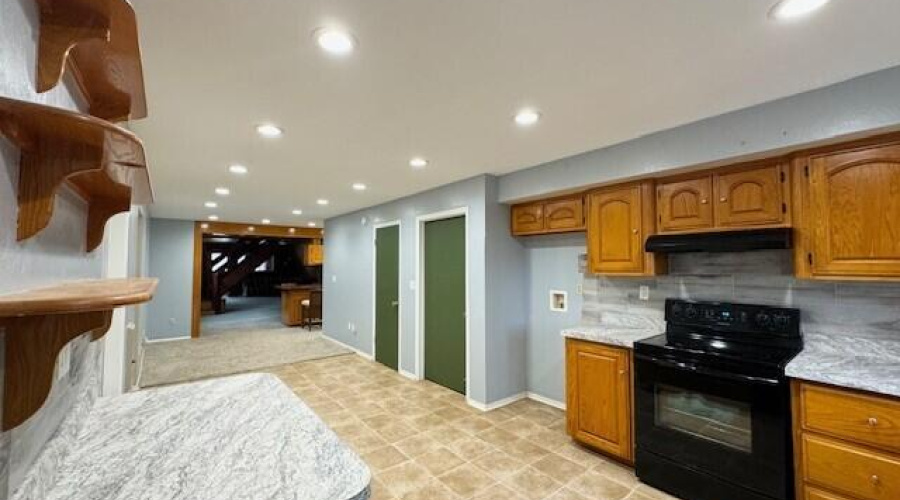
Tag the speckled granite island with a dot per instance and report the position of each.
(245, 437)
(854, 363)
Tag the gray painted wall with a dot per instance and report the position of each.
(854, 107)
(56, 254)
(497, 305)
(171, 259)
(552, 265)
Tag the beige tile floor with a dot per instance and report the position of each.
(423, 441)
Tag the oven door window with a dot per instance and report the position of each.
(713, 418)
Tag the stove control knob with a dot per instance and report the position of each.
(690, 312)
(763, 319)
(782, 320)
(676, 310)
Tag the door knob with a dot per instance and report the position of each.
(395, 303)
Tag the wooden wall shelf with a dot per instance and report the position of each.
(39, 323)
(105, 164)
(99, 40)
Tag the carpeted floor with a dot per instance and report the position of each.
(243, 314)
(185, 360)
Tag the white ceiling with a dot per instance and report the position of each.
(443, 78)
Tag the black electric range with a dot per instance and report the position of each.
(712, 403)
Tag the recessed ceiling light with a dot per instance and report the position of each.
(790, 9)
(297, 211)
(223, 191)
(269, 131)
(311, 224)
(210, 204)
(359, 186)
(237, 169)
(213, 217)
(322, 201)
(418, 162)
(266, 221)
(527, 117)
(334, 41)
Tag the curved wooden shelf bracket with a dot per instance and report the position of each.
(39, 323)
(105, 164)
(99, 39)
(64, 24)
(31, 357)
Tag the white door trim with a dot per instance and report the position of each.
(375, 228)
(420, 288)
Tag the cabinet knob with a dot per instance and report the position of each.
(704, 201)
(635, 231)
(723, 199)
(873, 422)
(875, 479)
(623, 372)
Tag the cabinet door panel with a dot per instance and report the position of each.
(685, 205)
(528, 219)
(564, 215)
(615, 236)
(599, 397)
(855, 204)
(750, 197)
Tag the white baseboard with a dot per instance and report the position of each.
(159, 341)
(496, 404)
(350, 347)
(547, 401)
(409, 375)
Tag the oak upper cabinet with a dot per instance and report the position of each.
(731, 198)
(851, 213)
(619, 220)
(557, 215)
(685, 204)
(598, 397)
(528, 219)
(753, 196)
(314, 254)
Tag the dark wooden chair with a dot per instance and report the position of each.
(312, 309)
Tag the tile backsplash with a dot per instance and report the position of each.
(850, 309)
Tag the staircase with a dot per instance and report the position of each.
(234, 270)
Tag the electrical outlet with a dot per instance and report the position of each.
(352, 327)
(412, 284)
(644, 292)
(334, 278)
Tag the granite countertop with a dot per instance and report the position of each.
(246, 437)
(855, 363)
(609, 335)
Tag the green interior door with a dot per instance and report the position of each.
(445, 303)
(387, 301)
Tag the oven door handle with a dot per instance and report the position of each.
(690, 367)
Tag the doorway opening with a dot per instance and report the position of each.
(443, 324)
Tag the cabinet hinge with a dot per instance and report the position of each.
(806, 170)
(809, 258)
(784, 208)
(783, 177)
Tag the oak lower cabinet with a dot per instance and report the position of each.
(851, 212)
(620, 218)
(846, 444)
(599, 397)
(747, 196)
(557, 215)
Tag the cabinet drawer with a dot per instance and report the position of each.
(864, 419)
(850, 470)
(564, 215)
(814, 494)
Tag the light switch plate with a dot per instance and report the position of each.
(644, 292)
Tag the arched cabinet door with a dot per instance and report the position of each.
(528, 219)
(685, 205)
(855, 212)
(752, 197)
(615, 232)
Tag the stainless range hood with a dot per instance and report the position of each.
(724, 241)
